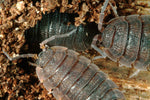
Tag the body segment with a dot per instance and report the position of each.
(74, 77)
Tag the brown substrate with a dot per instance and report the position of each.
(18, 79)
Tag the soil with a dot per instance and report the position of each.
(18, 79)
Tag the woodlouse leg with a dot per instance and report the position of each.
(103, 55)
(93, 45)
(114, 9)
(102, 15)
(20, 56)
(135, 73)
(42, 44)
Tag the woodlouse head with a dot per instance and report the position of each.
(46, 54)
(43, 57)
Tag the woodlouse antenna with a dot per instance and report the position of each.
(94, 46)
(114, 10)
(42, 44)
(20, 56)
(102, 15)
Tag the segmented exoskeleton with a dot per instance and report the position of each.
(57, 23)
(70, 76)
(126, 40)
(74, 77)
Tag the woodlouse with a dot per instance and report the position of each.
(70, 76)
(58, 24)
(73, 76)
(126, 40)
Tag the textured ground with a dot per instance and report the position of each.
(19, 81)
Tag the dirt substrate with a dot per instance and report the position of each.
(18, 79)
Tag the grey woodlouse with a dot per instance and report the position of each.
(73, 76)
(70, 76)
(127, 40)
(58, 24)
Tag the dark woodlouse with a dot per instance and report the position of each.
(70, 76)
(60, 23)
(127, 40)
(74, 77)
